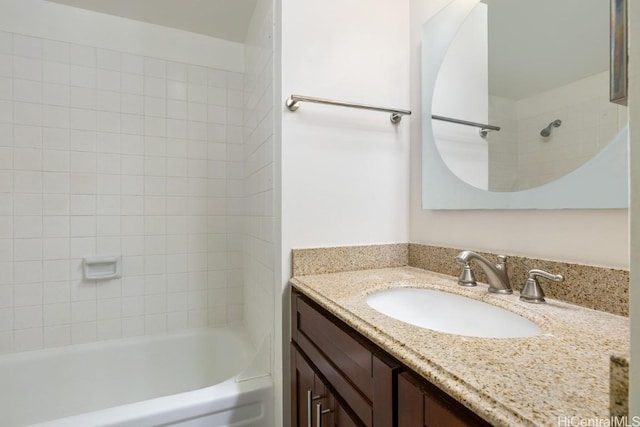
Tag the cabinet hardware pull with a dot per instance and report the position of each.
(310, 398)
(320, 413)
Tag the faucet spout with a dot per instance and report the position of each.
(496, 273)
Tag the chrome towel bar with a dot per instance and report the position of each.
(484, 129)
(293, 102)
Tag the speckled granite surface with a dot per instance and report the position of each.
(508, 382)
(348, 258)
(619, 395)
(599, 288)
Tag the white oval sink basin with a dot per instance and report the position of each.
(450, 313)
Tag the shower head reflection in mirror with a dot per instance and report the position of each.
(546, 132)
(455, 156)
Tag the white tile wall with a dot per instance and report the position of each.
(104, 152)
(257, 163)
(521, 158)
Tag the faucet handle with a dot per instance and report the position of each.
(532, 291)
(467, 278)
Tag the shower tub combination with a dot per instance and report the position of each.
(199, 378)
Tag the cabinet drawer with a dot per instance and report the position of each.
(350, 357)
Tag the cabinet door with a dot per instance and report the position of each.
(333, 414)
(312, 404)
(410, 403)
(341, 419)
(303, 391)
(421, 404)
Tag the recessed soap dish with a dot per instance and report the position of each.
(102, 267)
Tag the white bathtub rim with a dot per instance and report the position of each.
(253, 384)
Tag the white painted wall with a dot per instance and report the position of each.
(634, 149)
(598, 237)
(344, 171)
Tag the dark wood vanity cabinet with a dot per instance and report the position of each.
(340, 379)
(356, 378)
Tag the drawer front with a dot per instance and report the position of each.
(350, 358)
(343, 361)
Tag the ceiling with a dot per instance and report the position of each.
(223, 19)
(537, 45)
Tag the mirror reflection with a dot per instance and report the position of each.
(538, 70)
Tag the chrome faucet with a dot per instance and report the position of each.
(496, 273)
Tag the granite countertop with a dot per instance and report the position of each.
(539, 381)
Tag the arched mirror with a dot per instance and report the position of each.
(516, 110)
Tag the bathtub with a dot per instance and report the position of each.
(200, 378)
